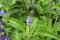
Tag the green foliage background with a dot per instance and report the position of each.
(43, 26)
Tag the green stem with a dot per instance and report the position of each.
(55, 20)
(49, 14)
(28, 32)
(31, 1)
(48, 24)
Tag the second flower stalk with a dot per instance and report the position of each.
(28, 22)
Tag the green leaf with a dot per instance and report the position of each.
(33, 27)
(39, 8)
(15, 36)
(1, 5)
(8, 3)
(45, 2)
(57, 27)
(35, 38)
(16, 24)
(46, 33)
(56, 6)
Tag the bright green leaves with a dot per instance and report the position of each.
(32, 28)
(56, 6)
(43, 21)
(39, 8)
(37, 30)
(16, 24)
(27, 2)
(46, 33)
(57, 27)
(15, 36)
(1, 5)
(45, 2)
(7, 4)
(35, 38)
(18, 11)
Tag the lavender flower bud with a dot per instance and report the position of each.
(31, 5)
(1, 23)
(29, 20)
(6, 38)
(57, 11)
(2, 37)
(1, 30)
(2, 12)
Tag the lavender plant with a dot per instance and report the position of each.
(20, 24)
(29, 21)
(2, 37)
(1, 30)
(2, 12)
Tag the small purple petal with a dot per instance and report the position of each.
(2, 37)
(2, 12)
(32, 5)
(1, 30)
(29, 21)
(0, 22)
(6, 38)
(57, 11)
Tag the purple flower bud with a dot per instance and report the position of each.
(2, 12)
(6, 38)
(31, 5)
(2, 37)
(29, 20)
(0, 22)
(1, 30)
(57, 11)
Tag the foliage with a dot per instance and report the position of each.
(45, 19)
